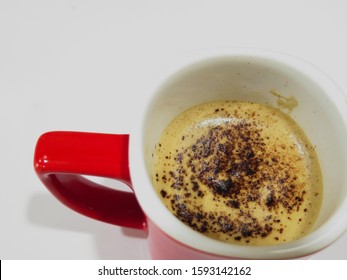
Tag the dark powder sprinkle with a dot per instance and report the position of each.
(163, 193)
(227, 161)
(204, 227)
(195, 186)
(226, 227)
(246, 230)
(233, 204)
(270, 199)
(222, 187)
(201, 194)
(179, 157)
(187, 194)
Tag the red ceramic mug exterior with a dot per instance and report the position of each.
(61, 158)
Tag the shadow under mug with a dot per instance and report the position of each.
(61, 157)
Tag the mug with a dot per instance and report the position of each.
(62, 157)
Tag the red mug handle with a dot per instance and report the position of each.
(62, 157)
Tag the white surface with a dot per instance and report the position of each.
(79, 65)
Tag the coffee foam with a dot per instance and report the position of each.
(239, 172)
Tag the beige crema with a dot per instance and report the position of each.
(239, 172)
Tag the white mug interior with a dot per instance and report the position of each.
(321, 112)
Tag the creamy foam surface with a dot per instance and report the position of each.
(239, 172)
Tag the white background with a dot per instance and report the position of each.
(79, 65)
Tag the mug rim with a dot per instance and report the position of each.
(155, 209)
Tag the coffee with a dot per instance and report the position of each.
(239, 172)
